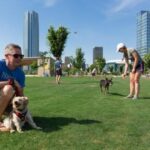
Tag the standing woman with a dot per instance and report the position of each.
(137, 69)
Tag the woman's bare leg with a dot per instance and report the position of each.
(137, 83)
(132, 84)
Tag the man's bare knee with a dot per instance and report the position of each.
(7, 91)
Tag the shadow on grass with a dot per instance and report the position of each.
(116, 94)
(56, 123)
(83, 82)
(145, 98)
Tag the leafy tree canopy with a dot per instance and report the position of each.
(57, 39)
(79, 59)
(147, 61)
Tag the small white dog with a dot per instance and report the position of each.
(19, 115)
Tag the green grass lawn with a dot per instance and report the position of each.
(76, 116)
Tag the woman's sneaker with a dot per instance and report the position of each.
(129, 96)
(134, 97)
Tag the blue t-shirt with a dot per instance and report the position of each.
(6, 73)
(58, 64)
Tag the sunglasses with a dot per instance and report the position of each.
(18, 56)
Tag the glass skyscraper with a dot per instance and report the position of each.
(97, 53)
(143, 32)
(31, 34)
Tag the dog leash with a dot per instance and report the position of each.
(12, 83)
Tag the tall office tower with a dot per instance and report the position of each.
(31, 34)
(143, 32)
(97, 52)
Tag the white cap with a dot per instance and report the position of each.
(120, 45)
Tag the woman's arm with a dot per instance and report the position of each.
(126, 66)
(136, 59)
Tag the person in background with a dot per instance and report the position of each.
(58, 69)
(137, 68)
(12, 78)
(93, 72)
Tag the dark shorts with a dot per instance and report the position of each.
(140, 67)
(58, 72)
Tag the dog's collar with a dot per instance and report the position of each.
(21, 115)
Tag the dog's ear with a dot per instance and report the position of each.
(13, 99)
(26, 100)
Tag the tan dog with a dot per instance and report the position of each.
(19, 115)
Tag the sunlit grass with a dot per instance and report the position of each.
(76, 116)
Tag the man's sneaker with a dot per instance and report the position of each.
(129, 96)
(134, 98)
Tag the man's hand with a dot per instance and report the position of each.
(17, 88)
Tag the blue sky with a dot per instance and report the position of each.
(97, 23)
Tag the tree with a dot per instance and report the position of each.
(34, 65)
(147, 61)
(43, 57)
(121, 68)
(79, 59)
(57, 40)
(111, 69)
(100, 62)
(92, 66)
(69, 65)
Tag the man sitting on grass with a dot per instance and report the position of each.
(12, 78)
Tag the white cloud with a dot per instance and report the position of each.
(48, 3)
(125, 4)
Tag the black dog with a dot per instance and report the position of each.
(104, 84)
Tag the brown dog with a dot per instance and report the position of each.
(104, 85)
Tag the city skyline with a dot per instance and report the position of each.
(90, 23)
(143, 32)
(31, 34)
(97, 53)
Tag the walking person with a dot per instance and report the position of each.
(58, 69)
(137, 69)
(94, 72)
(12, 78)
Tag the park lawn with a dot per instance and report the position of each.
(75, 115)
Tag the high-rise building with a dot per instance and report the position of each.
(97, 52)
(143, 32)
(31, 34)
